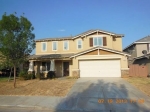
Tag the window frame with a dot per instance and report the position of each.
(42, 46)
(56, 45)
(97, 41)
(78, 44)
(64, 45)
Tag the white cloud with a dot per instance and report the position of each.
(62, 30)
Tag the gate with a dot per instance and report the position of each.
(138, 71)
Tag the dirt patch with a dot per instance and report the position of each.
(142, 84)
(37, 87)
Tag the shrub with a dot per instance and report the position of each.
(23, 75)
(40, 76)
(51, 74)
(30, 76)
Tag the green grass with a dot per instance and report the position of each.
(5, 79)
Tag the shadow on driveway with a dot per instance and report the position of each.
(104, 95)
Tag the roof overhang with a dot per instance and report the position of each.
(144, 56)
(50, 56)
(109, 33)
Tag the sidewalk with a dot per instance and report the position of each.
(39, 102)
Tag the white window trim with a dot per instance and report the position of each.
(97, 41)
(42, 46)
(56, 45)
(64, 45)
(81, 44)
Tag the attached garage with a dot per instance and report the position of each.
(100, 68)
(99, 62)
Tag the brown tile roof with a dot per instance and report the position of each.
(56, 38)
(94, 30)
(82, 34)
(50, 56)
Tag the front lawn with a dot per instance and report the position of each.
(57, 87)
(5, 79)
(142, 84)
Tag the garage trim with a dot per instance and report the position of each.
(99, 57)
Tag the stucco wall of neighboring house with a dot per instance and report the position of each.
(132, 50)
(143, 61)
(112, 43)
(140, 48)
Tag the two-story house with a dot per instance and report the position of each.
(94, 53)
(136, 48)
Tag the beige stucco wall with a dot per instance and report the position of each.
(111, 43)
(60, 49)
(140, 48)
(117, 44)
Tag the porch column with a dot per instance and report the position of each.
(52, 67)
(31, 69)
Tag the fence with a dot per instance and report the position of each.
(138, 71)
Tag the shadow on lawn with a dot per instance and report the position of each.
(97, 95)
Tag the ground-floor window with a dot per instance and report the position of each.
(46, 66)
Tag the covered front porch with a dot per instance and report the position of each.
(60, 64)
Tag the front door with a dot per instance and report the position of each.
(65, 68)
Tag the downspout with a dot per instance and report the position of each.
(98, 50)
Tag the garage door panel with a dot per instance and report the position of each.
(100, 68)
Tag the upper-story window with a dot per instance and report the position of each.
(54, 46)
(66, 45)
(97, 41)
(79, 44)
(44, 46)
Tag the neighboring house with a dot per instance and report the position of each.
(135, 49)
(143, 60)
(95, 53)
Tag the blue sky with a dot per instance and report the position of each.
(57, 18)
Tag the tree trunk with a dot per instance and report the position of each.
(14, 76)
(10, 74)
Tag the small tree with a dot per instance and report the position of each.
(16, 39)
(5, 63)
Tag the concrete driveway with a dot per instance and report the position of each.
(105, 95)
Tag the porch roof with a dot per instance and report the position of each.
(50, 56)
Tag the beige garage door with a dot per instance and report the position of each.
(100, 68)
